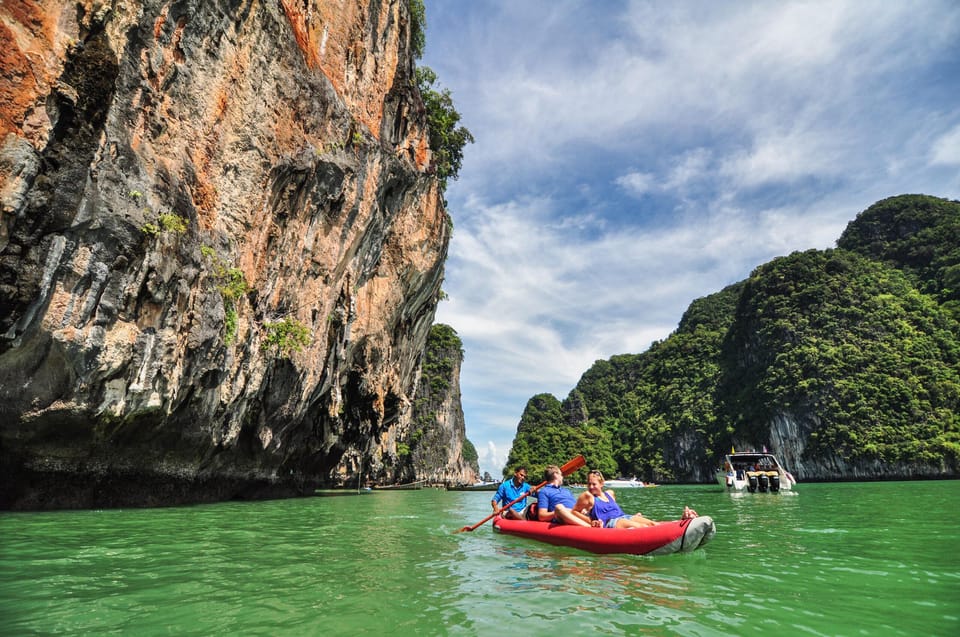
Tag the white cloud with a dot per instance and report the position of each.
(781, 158)
(946, 149)
(691, 167)
(684, 170)
(536, 308)
(491, 459)
(637, 183)
(696, 69)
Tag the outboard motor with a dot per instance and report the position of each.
(764, 482)
(774, 481)
(751, 481)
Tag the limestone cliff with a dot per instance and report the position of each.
(435, 448)
(221, 247)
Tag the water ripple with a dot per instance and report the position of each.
(390, 563)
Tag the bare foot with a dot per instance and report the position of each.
(688, 513)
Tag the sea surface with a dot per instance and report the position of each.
(828, 559)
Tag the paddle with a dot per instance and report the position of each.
(566, 469)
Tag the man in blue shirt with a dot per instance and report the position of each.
(509, 491)
(557, 504)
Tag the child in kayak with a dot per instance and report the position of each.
(604, 511)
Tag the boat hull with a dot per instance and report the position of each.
(492, 486)
(410, 486)
(677, 536)
(624, 484)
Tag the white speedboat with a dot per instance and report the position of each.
(623, 483)
(754, 472)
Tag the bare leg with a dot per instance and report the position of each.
(512, 514)
(635, 522)
(638, 520)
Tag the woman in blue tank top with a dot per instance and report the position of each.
(604, 510)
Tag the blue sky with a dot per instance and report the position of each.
(631, 157)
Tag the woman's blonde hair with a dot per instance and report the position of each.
(596, 472)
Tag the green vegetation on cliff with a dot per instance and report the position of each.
(857, 347)
(669, 389)
(917, 234)
(852, 342)
(433, 427)
(545, 437)
(418, 26)
(447, 136)
(470, 455)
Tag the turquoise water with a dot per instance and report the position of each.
(830, 559)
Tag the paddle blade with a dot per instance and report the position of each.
(577, 463)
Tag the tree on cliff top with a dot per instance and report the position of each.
(418, 26)
(918, 234)
(545, 436)
(447, 138)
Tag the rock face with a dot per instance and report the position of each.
(187, 190)
(438, 432)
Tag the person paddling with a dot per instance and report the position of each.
(603, 510)
(509, 491)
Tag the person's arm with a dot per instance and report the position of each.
(581, 509)
(584, 503)
(498, 497)
(543, 503)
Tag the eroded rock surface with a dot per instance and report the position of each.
(180, 182)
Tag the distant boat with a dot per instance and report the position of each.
(409, 486)
(753, 472)
(328, 493)
(623, 483)
(476, 486)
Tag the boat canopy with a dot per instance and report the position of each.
(751, 457)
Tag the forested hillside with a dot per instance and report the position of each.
(844, 362)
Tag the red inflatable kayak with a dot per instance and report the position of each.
(677, 536)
